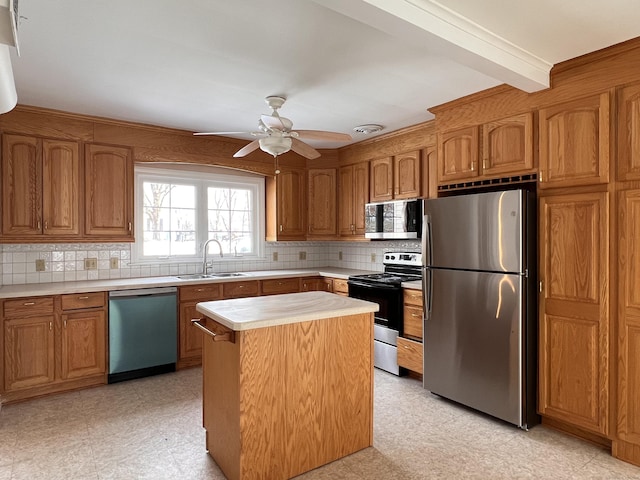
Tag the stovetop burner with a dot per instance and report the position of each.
(398, 267)
(388, 278)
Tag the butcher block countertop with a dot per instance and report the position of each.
(59, 288)
(259, 312)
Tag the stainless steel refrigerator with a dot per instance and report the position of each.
(479, 279)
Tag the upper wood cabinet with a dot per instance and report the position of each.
(322, 202)
(574, 310)
(574, 142)
(507, 145)
(109, 191)
(40, 187)
(430, 172)
(287, 205)
(628, 160)
(353, 194)
(395, 177)
(458, 154)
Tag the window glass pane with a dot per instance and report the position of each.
(156, 194)
(183, 196)
(218, 198)
(240, 221)
(183, 242)
(156, 243)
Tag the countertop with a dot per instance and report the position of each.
(58, 288)
(259, 312)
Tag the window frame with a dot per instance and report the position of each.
(202, 177)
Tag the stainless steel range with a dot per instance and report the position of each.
(385, 289)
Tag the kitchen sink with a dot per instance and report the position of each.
(196, 276)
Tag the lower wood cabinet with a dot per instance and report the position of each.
(410, 350)
(52, 344)
(410, 354)
(278, 286)
(316, 284)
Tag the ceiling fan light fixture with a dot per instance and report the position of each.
(275, 145)
(368, 129)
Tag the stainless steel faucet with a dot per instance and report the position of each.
(205, 266)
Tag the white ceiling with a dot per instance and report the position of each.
(206, 65)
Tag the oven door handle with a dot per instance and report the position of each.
(377, 286)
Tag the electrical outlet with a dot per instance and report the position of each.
(373, 257)
(302, 255)
(274, 255)
(39, 265)
(91, 263)
(113, 262)
(339, 255)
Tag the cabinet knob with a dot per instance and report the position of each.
(129, 226)
(83, 298)
(473, 166)
(28, 304)
(39, 224)
(280, 227)
(46, 224)
(540, 176)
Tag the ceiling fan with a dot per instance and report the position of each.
(276, 136)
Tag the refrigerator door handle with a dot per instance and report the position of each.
(427, 288)
(427, 249)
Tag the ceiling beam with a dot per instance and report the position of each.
(450, 35)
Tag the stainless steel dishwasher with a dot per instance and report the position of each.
(143, 332)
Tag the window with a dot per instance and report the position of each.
(177, 210)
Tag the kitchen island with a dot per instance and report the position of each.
(287, 382)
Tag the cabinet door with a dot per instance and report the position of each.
(574, 312)
(381, 179)
(291, 205)
(629, 133)
(507, 145)
(322, 201)
(108, 191)
(406, 175)
(429, 172)
(190, 338)
(458, 154)
(60, 188)
(346, 201)
(84, 340)
(279, 286)
(360, 195)
(28, 352)
(21, 186)
(629, 311)
(315, 284)
(574, 143)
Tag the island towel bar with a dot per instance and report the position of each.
(227, 336)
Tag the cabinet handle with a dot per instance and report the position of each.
(39, 224)
(65, 323)
(541, 287)
(129, 226)
(280, 227)
(199, 289)
(473, 166)
(484, 163)
(50, 326)
(46, 225)
(84, 297)
(28, 304)
(240, 286)
(540, 176)
(415, 315)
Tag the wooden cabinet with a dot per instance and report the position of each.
(412, 314)
(315, 284)
(83, 335)
(245, 288)
(286, 206)
(353, 194)
(628, 384)
(278, 286)
(40, 187)
(574, 142)
(29, 359)
(53, 344)
(322, 202)
(507, 146)
(108, 192)
(628, 159)
(574, 310)
(189, 339)
(396, 177)
(430, 172)
(340, 287)
(458, 154)
(410, 355)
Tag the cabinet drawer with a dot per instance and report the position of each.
(202, 293)
(413, 297)
(412, 321)
(410, 354)
(28, 306)
(281, 285)
(241, 289)
(340, 286)
(82, 300)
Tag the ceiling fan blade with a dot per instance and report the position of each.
(321, 135)
(221, 133)
(303, 149)
(272, 121)
(247, 149)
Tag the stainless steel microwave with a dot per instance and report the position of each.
(397, 219)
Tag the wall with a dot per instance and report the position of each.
(65, 262)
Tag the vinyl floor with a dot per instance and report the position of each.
(151, 429)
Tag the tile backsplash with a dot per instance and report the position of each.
(66, 262)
